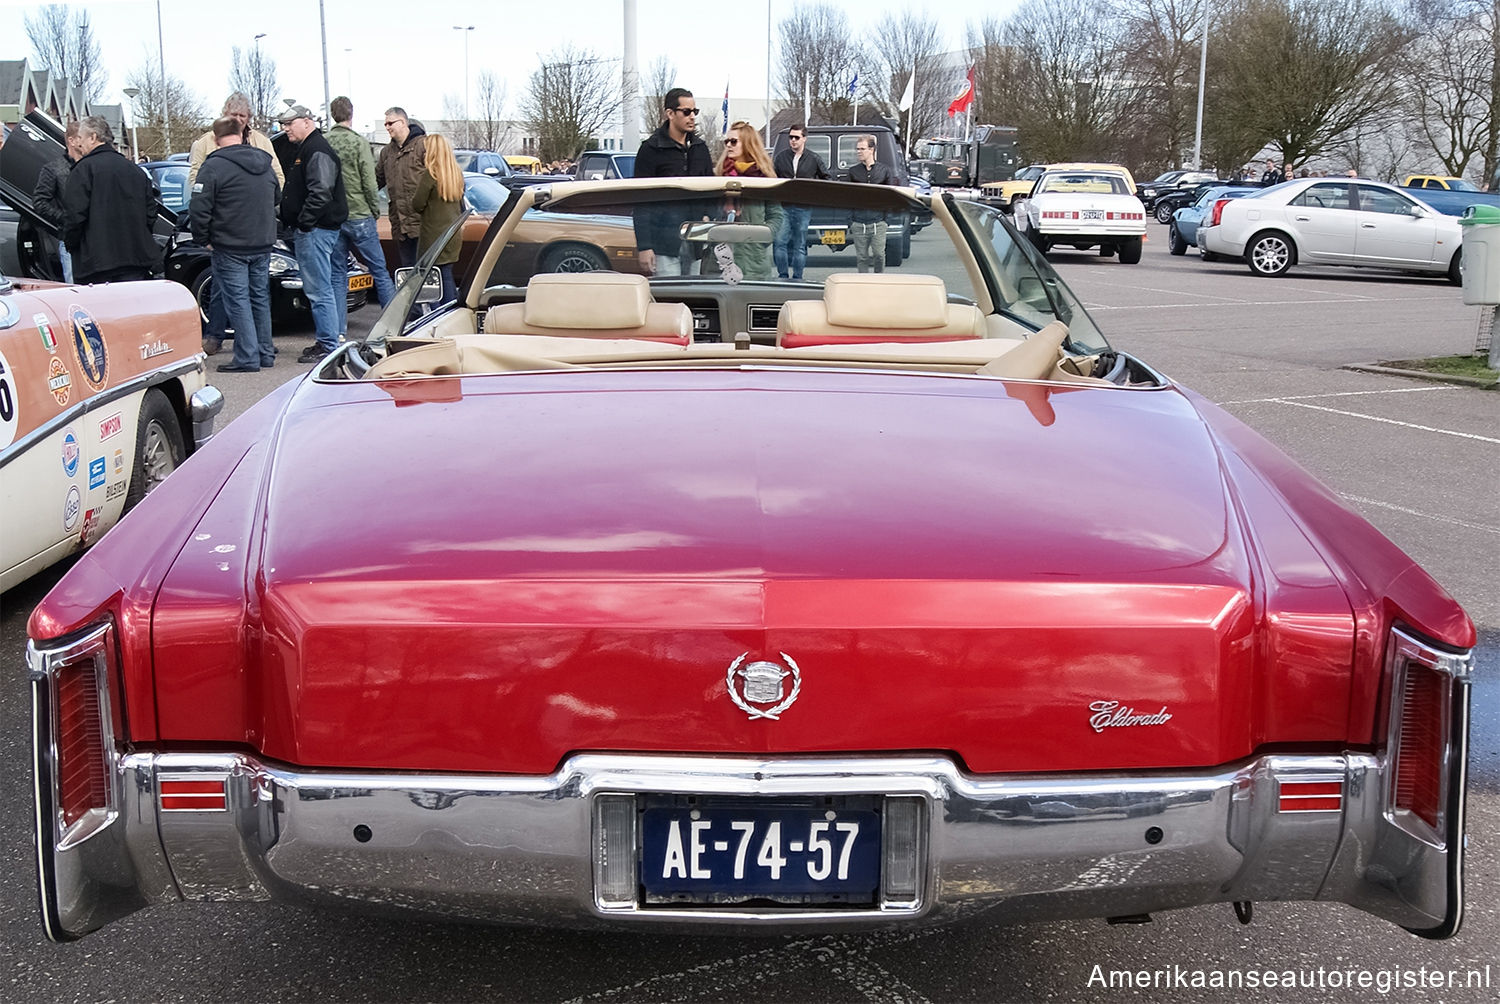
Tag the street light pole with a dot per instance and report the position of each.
(465, 29)
(135, 142)
(1202, 76)
(166, 116)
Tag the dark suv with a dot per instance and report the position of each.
(835, 144)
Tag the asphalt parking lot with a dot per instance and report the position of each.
(1420, 460)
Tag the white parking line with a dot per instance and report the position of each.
(1387, 421)
(1340, 393)
(1425, 515)
(1258, 303)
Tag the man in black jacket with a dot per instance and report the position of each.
(674, 150)
(108, 209)
(233, 214)
(796, 161)
(51, 190)
(316, 206)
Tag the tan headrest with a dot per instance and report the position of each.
(1033, 359)
(587, 300)
(883, 300)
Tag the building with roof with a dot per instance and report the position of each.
(28, 89)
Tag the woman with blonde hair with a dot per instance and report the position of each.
(439, 199)
(745, 156)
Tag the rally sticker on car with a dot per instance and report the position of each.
(119, 461)
(8, 404)
(88, 346)
(96, 473)
(71, 506)
(70, 452)
(59, 381)
(111, 426)
(44, 328)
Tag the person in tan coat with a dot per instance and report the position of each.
(400, 167)
(236, 107)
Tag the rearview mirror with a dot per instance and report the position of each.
(711, 232)
(432, 284)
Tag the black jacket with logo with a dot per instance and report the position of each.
(108, 209)
(314, 194)
(234, 201)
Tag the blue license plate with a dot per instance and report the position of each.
(731, 851)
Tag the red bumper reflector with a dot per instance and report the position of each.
(1310, 796)
(82, 770)
(1419, 757)
(194, 796)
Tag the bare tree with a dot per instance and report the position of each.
(254, 74)
(1450, 74)
(1064, 74)
(488, 124)
(454, 124)
(189, 116)
(1300, 74)
(569, 99)
(818, 51)
(904, 45)
(62, 39)
(661, 77)
(999, 69)
(1162, 39)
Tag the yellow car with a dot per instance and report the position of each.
(1439, 181)
(1005, 194)
(524, 164)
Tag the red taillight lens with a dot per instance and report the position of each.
(1421, 743)
(82, 767)
(1219, 205)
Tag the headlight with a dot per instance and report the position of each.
(281, 263)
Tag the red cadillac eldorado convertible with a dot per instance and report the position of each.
(713, 598)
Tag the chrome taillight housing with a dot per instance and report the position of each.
(1425, 682)
(75, 754)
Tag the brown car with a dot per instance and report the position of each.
(543, 242)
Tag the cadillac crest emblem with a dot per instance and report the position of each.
(763, 683)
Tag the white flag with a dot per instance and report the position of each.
(806, 99)
(909, 93)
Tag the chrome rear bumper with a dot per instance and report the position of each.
(522, 849)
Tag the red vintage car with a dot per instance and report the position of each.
(719, 599)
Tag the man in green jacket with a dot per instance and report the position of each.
(359, 230)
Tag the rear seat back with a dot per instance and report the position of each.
(862, 308)
(592, 305)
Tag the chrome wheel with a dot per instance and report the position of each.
(1269, 254)
(157, 459)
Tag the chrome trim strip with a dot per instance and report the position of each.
(1403, 650)
(139, 384)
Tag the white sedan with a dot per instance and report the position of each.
(1333, 221)
(1085, 209)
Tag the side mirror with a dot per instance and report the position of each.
(432, 284)
(491, 171)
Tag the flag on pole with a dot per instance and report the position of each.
(724, 129)
(854, 83)
(910, 92)
(806, 99)
(964, 97)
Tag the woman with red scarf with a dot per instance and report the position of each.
(745, 156)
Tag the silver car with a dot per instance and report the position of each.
(1335, 221)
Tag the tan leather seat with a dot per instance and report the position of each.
(877, 307)
(592, 305)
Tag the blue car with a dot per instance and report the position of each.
(1182, 232)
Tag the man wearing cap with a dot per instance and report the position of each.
(315, 206)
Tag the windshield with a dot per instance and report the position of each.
(938, 150)
(1459, 185)
(1079, 181)
(485, 194)
(171, 182)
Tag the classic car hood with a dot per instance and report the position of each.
(537, 563)
(1088, 200)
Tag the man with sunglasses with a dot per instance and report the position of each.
(674, 150)
(401, 164)
(796, 161)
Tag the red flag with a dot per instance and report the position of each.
(964, 98)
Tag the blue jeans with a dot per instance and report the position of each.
(361, 237)
(242, 283)
(791, 243)
(67, 262)
(325, 279)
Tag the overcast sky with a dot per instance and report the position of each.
(406, 52)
